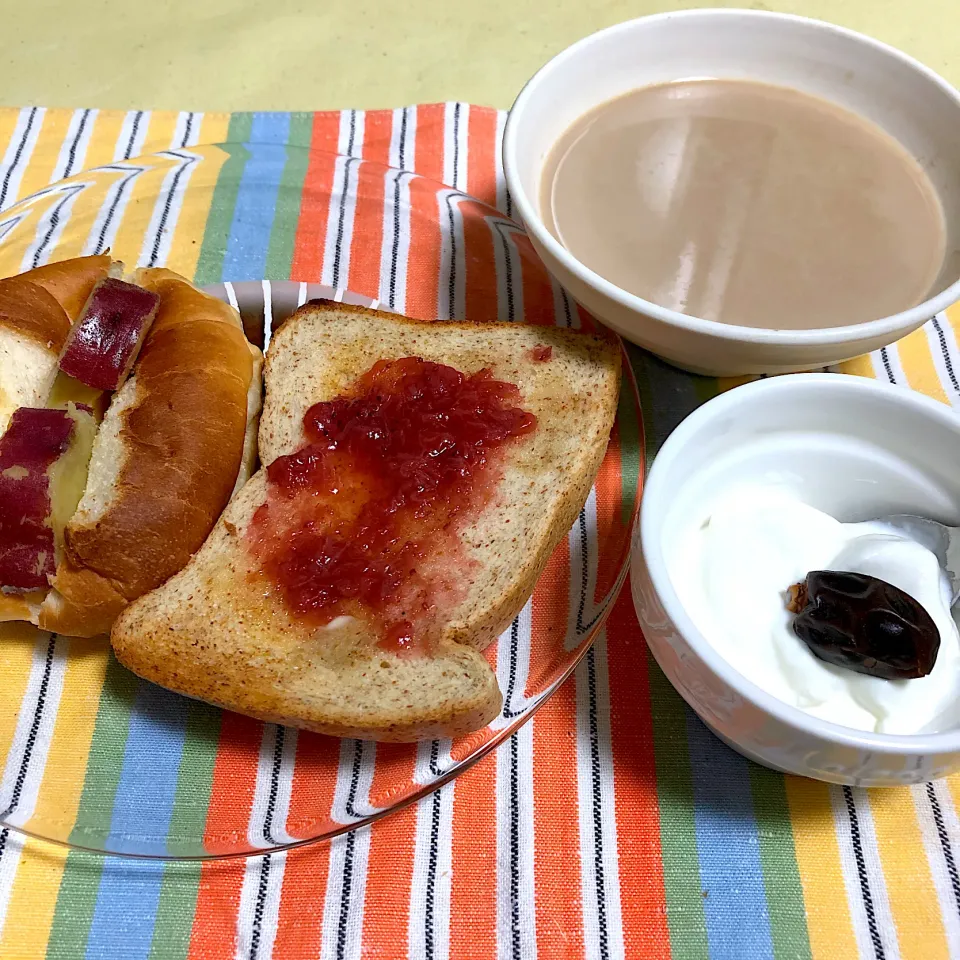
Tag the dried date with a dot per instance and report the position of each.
(864, 624)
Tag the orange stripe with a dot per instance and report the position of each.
(214, 934)
(314, 783)
(389, 879)
(231, 799)
(234, 779)
(377, 131)
(315, 199)
(423, 265)
(395, 765)
(481, 149)
(559, 916)
(612, 539)
(478, 238)
(300, 918)
(643, 895)
(367, 239)
(428, 154)
(481, 266)
(473, 895)
(537, 288)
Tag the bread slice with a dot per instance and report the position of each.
(215, 632)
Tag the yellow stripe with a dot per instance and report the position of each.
(103, 138)
(728, 383)
(16, 646)
(145, 189)
(43, 161)
(214, 128)
(818, 860)
(913, 897)
(38, 877)
(953, 315)
(917, 362)
(87, 206)
(8, 123)
(185, 249)
(861, 366)
(160, 131)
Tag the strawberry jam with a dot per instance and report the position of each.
(363, 520)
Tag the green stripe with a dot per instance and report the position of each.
(630, 452)
(76, 901)
(681, 866)
(181, 881)
(219, 220)
(194, 781)
(175, 911)
(781, 877)
(77, 896)
(287, 210)
(106, 757)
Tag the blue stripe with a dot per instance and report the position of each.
(246, 254)
(129, 891)
(735, 902)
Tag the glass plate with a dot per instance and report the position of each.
(96, 758)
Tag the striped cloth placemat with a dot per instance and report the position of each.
(613, 825)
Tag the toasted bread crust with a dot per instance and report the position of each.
(215, 632)
(182, 442)
(42, 303)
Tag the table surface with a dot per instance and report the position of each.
(325, 54)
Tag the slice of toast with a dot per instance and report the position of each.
(213, 632)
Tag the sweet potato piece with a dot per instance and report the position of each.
(43, 466)
(103, 344)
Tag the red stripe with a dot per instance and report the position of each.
(315, 200)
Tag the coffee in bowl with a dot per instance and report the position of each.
(748, 203)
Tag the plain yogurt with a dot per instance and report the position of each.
(732, 568)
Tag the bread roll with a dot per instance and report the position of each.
(165, 462)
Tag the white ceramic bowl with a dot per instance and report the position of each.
(912, 103)
(860, 449)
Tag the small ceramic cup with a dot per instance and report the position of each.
(909, 101)
(858, 450)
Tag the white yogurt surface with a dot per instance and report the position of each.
(732, 567)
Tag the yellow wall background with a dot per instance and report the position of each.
(299, 55)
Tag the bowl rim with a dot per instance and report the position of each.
(657, 494)
(888, 326)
